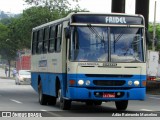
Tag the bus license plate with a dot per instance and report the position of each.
(108, 95)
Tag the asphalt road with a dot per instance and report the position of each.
(22, 98)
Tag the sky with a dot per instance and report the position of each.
(103, 6)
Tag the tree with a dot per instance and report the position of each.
(43, 12)
(7, 46)
(16, 32)
(52, 4)
(21, 27)
(157, 39)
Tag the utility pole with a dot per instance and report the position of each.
(118, 6)
(142, 7)
(154, 28)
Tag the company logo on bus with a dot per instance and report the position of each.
(121, 20)
(109, 64)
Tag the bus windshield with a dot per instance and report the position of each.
(106, 44)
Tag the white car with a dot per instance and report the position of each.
(23, 77)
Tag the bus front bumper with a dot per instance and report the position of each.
(80, 94)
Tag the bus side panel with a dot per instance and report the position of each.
(34, 81)
(52, 83)
(49, 82)
(45, 83)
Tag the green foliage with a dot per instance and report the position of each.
(16, 32)
(6, 21)
(60, 5)
(150, 29)
(44, 11)
(32, 17)
(3, 33)
(7, 50)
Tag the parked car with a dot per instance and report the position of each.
(23, 77)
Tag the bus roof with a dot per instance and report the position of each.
(67, 18)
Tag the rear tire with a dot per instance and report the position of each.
(121, 105)
(42, 97)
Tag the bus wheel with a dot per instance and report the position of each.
(89, 103)
(121, 105)
(64, 104)
(42, 97)
(97, 102)
(52, 100)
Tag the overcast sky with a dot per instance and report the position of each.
(17, 6)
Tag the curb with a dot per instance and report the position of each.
(6, 77)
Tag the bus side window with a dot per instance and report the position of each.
(58, 37)
(40, 41)
(45, 40)
(52, 39)
(34, 42)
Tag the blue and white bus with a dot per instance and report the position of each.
(91, 58)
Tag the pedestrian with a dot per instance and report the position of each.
(6, 70)
(14, 72)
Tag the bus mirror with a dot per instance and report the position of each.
(67, 32)
(148, 41)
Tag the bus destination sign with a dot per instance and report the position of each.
(106, 19)
(121, 20)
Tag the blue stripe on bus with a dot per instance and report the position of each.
(87, 92)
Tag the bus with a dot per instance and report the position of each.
(91, 58)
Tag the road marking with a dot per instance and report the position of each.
(52, 113)
(154, 98)
(153, 95)
(16, 101)
(146, 110)
(43, 110)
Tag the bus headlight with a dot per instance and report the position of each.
(80, 82)
(136, 83)
(130, 82)
(88, 82)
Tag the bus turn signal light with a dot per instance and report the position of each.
(72, 82)
(144, 83)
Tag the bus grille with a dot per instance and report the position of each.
(108, 75)
(109, 82)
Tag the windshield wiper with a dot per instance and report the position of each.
(94, 31)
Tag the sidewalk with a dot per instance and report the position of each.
(2, 74)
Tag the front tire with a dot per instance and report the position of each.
(121, 105)
(64, 104)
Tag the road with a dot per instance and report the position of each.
(23, 98)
